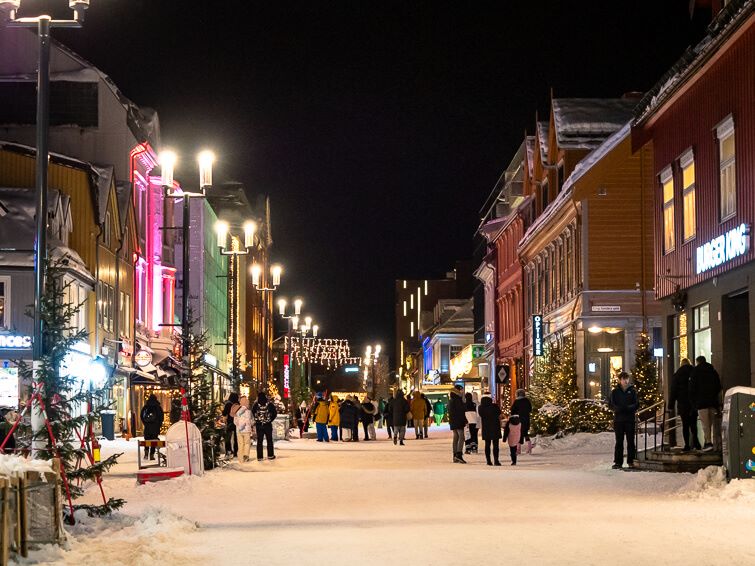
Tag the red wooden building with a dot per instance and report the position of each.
(700, 118)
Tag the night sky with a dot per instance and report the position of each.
(377, 128)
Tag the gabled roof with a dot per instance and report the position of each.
(583, 123)
(542, 137)
(723, 26)
(529, 144)
(123, 192)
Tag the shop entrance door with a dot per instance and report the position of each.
(735, 357)
(601, 368)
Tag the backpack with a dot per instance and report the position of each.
(149, 414)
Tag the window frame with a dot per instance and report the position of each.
(723, 131)
(687, 159)
(667, 176)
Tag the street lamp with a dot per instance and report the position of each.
(275, 273)
(371, 355)
(43, 24)
(168, 160)
(222, 229)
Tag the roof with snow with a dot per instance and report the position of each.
(123, 192)
(542, 137)
(723, 26)
(583, 123)
(529, 144)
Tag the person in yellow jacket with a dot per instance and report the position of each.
(321, 419)
(417, 408)
(334, 418)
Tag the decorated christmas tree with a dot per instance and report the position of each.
(66, 400)
(645, 374)
(203, 410)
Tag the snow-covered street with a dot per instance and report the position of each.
(376, 503)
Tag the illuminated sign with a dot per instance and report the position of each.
(286, 376)
(461, 363)
(734, 243)
(14, 341)
(432, 377)
(537, 335)
(143, 358)
(351, 369)
(8, 387)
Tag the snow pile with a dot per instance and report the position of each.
(579, 443)
(15, 466)
(711, 483)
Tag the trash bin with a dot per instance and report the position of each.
(280, 427)
(738, 431)
(108, 424)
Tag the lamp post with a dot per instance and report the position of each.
(168, 161)
(43, 24)
(302, 330)
(371, 355)
(275, 272)
(222, 229)
(291, 319)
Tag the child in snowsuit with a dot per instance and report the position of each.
(513, 433)
(242, 418)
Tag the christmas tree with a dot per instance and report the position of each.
(64, 398)
(565, 379)
(645, 374)
(203, 410)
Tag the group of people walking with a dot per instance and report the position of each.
(239, 419)
(339, 420)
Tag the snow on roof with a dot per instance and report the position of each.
(583, 123)
(123, 196)
(529, 144)
(721, 28)
(103, 178)
(542, 136)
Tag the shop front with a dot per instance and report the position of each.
(467, 368)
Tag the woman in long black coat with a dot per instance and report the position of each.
(152, 418)
(399, 410)
(490, 418)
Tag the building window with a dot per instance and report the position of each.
(679, 339)
(560, 176)
(667, 184)
(105, 300)
(4, 303)
(702, 333)
(687, 163)
(404, 308)
(727, 175)
(561, 271)
(547, 280)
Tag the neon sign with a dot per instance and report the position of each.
(286, 376)
(14, 341)
(537, 335)
(735, 243)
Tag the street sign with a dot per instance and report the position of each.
(537, 335)
(143, 358)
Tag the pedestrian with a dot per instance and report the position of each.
(705, 390)
(9, 419)
(399, 412)
(321, 415)
(388, 414)
(381, 412)
(512, 434)
(680, 398)
(490, 421)
(299, 418)
(264, 413)
(470, 412)
(457, 421)
(152, 418)
(417, 409)
(523, 407)
(231, 442)
(428, 410)
(624, 403)
(305, 419)
(242, 419)
(439, 410)
(357, 419)
(369, 410)
(349, 419)
(334, 419)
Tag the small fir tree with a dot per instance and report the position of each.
(565, 379)
(64, 398)
(645, 374)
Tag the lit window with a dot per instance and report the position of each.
(727, 175)
(412, 328)
(687, 163)
(667, 182)
(411, 301)
(426, 290)
(702, 331)
(404, 308)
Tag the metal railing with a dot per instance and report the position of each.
(654, 417)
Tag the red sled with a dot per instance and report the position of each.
(158, 474)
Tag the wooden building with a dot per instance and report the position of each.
(699, 120)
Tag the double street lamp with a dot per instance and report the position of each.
(168, 161)
(259, 285)
(371, 355)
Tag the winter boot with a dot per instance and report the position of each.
(458, 459)
(489, 462)
(395, 439)
(529, 447)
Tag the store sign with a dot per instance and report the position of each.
(605, 308)
(9, 387)
(351, 369)
(143, 358)
(734, 243)
(461, 363)
(14, 341)
(286, 376)
(432, 377)
(537, 335)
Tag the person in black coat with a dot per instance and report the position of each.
(369, 409)
(428, 411)
(388, 416)
(490, 421)
(523, 407)
(457, 421)
(624, 403)
(264, 413)
(680, 398)
(152, 418)
(399, 410)
(705, 393)
(231, 442)
(349, 417)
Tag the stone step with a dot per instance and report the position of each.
(677, 461)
